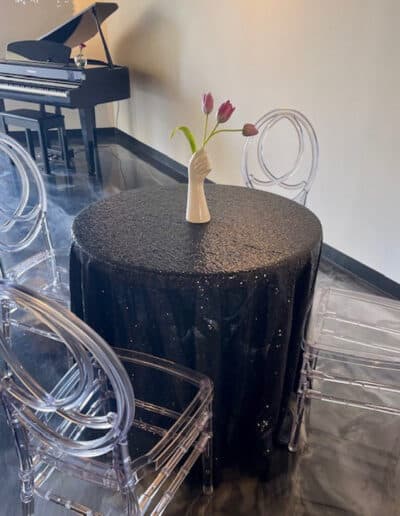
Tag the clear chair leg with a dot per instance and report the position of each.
(121, 461)
(26, 479)
(26, 474)
(28, 508)
(5, 317)
(313, 360)
(298, 418)
(6, 329)
(207, 460)
(55, 280)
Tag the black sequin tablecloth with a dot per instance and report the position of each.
(228, 298)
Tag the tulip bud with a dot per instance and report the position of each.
(208, 103)
(249, 130)
(225, 112)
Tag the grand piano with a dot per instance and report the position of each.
(47, 74)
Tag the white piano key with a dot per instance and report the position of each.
(36, 91)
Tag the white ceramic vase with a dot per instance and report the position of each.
(197, 210)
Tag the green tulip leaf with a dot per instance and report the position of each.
(189, 136)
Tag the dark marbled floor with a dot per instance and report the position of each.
(348, 463)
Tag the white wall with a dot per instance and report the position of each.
(30, 21)
(337, 61)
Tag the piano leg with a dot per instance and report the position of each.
(88, 124)
(29, 142)
(63, 141)
(3, 125)
(43, 149)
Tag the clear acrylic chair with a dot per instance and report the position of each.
(351, 355)
(84, 441)
(27, 253)
(258, 170)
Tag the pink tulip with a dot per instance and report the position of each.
(208, 103)
(249, 130)
(225, 112)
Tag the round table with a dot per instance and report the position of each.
(228, 298)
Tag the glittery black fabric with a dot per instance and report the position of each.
(228, 298)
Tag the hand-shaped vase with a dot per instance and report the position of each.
(196, 208)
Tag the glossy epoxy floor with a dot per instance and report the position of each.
(349, 460)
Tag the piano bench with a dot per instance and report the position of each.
(41, 122)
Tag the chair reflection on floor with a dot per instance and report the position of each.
(89, 429)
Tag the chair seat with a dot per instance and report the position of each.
(149, 457)
(351, 355)
(36, 272)
(32, 114)
(356, 325)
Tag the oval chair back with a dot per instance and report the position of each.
(72, 419)
(295, 182)
(29, 214)
(26, 248)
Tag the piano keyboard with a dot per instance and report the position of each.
(20, 84)
(35, 90)
(20, 80)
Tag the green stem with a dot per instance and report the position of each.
(214, 132)
(211, 134)
(205, 129)
(228, 131)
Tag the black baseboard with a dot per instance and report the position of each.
(178, 171)
(152, 156)
(370, 276)
(104, 134)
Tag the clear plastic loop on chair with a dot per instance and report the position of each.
(85, 347)
(23, 226)
(258, 173)
(83, 425)
(29, 175)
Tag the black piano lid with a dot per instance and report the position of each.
(82, 26)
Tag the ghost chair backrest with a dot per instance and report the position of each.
(25, 241)
(27, 180)
(29, 402)
(296, 181)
